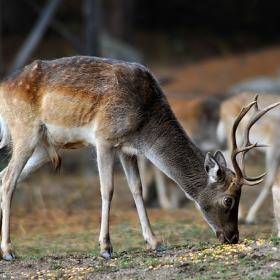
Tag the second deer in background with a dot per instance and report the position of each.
(276, 201)
(266, 129)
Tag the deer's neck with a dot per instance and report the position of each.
(174, 153)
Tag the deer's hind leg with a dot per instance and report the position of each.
(26, 158)
(271, 163)
(130, 166)
(38, 158)
(21, 153)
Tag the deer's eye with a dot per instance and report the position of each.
(228, 202)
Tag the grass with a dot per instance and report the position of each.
(124, 237)
(275, 240)
(204, 259)
(39, 245)
(275, 274)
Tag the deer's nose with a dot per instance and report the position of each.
(234, 239)
(230, 238)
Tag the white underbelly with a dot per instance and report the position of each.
(64, 135)
(79, 137)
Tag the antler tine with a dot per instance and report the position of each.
(255, 117)
(254, 182)
(254, 179)
(241, 177)
(246, 142)
(259, 113)
(235, 150)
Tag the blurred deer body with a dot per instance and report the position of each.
(199, 117)
(266, 129)
(119, 107)
(276, 201)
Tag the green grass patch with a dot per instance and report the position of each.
(274, 240)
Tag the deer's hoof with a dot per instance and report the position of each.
(160, 249)
(241, 221)
(250, 223)
(106, 255)
(9, 257)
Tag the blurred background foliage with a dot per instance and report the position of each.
(161, 31)
(164, 35)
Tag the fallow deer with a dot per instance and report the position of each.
(266, 129)
(276, 201)
(118, 107)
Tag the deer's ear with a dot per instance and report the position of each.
(212, 167)
(220, 158)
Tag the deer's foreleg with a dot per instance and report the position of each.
(276, 202)
(105, 162)
(132, 173)
(161, 187)
(142, 166)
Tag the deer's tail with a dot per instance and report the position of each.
(5, 135)
(50, 147)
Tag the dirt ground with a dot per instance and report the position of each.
(194, 256)
(75, 266)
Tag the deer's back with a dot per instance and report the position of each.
(113, 97)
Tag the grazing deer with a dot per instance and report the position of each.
(119, 107)
(199, 116)
(276, 201)
(266, 129)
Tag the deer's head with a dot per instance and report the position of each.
(219, 200)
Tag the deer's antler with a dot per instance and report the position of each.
(239, 168)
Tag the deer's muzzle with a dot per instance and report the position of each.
(231, 238)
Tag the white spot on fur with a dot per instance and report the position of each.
(129, 150)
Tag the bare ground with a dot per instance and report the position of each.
(198, 256)
(261, 263)
(62, 242)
